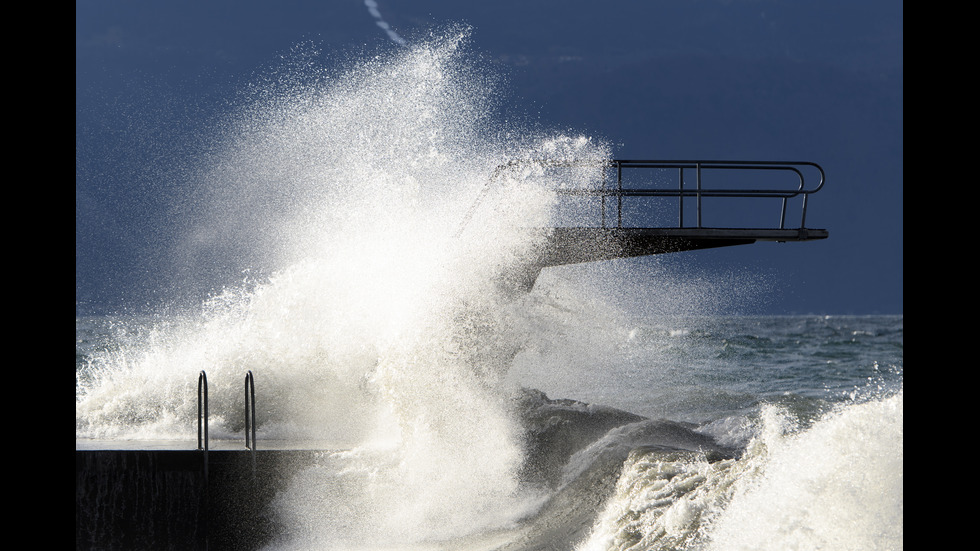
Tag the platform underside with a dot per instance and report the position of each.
(583, 244)
(574, 245)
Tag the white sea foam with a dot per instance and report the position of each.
(379, 327)
(837, 484)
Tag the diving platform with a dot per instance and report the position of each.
(629, 208)
(576, 245)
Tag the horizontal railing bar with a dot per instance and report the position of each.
(788, 166)
(640, 192)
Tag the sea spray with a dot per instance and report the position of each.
(387, 321)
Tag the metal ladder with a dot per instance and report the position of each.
(203, 443)
(202, 417)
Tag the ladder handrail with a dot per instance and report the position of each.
(202, 411)
(250, 441)
(202, 444)
(202, 422)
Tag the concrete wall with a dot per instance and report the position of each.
(162, 499)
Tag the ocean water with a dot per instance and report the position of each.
(778, 432)
(456, 410)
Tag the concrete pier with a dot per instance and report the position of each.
(152, 499)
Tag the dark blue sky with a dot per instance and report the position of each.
(817, 80)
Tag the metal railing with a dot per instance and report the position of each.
(616, 181)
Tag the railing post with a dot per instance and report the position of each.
(602, 200)
(680, 199)
(806, 194)
(803, 216)
(699, 194)
(619, 194)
